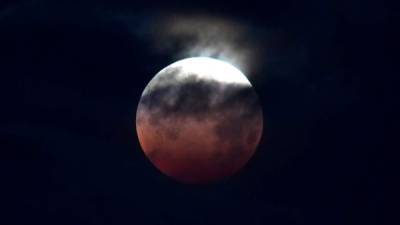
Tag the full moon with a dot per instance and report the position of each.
(199, 120)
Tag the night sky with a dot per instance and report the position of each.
(72, 73)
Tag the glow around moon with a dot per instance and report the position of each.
(199, 120)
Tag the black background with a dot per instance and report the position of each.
(71, 79)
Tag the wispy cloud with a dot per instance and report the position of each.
(183, 35)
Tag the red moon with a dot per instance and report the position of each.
(199, 120)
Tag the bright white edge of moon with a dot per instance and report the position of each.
(209, 68)
(204, 68)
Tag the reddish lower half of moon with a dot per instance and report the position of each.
(193, 151)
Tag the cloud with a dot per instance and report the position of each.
(183, 36)
(209, 36)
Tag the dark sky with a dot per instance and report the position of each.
(71, 79)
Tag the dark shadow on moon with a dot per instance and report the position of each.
(170, 95)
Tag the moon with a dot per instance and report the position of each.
(199, 120)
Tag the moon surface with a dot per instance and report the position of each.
(199, 120)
